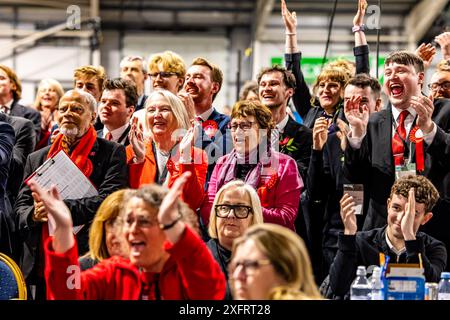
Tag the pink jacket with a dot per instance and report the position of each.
(280, 201)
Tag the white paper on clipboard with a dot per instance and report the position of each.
(71, 183)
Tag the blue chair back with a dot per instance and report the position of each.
(12, 283)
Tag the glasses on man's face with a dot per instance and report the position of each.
(245, 125)
(435, 86)
(240, 211)
(162, 74)
(74, 109)
(248, 266)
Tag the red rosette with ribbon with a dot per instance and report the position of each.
(262, 191)
(210, 127)
(416, 137)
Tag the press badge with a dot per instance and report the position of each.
(405, 170)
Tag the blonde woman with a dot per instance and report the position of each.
(271, 262)
(105, 235)
(236, 207)
(46, 102)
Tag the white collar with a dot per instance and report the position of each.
(116, 133)
(396, 112)
(391, 246)
(205, 115)
(282, 124)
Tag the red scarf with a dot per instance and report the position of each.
(81, 151)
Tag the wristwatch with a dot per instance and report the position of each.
(359, 28)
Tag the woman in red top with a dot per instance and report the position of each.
(170, 150)
(167, 259)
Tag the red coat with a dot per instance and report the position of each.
(190, 273)
(145, 173)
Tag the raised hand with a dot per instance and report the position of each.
(187, 143)
(59, 214)
(320, 133)
(344, 129)
(427, 53)
(289, 19)
(188, 102)
(348, 214)
(169, 208)
(357, 116)
(136, 137)
(358, 20)
(407, 222)
(444, 41)
(424, 108)
(40, 213)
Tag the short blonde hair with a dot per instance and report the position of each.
(52, 83)
(255, 203)
(177, 106)
(107, 213)
(171, 62)
(89, 72)
(289, 257)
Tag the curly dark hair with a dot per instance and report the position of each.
(424, 191)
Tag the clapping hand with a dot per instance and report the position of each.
(407, 222)
(58, 213)
(136, 137)
(320, 133)
(348, 214)
(188, 102)
(424, 108)
(358, 20)
(289, 19)
(357, 116)
(427, 53)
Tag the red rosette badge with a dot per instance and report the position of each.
(210, 127)
(416, 136)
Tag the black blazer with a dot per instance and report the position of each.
(19, 110)
(6, 218)
(373, 164)
(109, 174)
(302, 144)
(24, 145)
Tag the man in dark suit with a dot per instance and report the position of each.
(10, 94)
(380, 145)
(116, 108)
(325, 179)
(276, 87)
(202, 84)
(7, 240)
(102, 161)
(133, 68)
(24, 145)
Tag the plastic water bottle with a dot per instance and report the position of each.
(444, 286)
(360, 289)
(376, 284)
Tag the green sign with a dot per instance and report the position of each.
(311, 66)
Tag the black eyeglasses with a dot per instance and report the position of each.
(444, 85)
(248, 266)
(162, 74)
(240, 211)
(245, 126)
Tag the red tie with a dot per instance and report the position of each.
(108, 136)
(398, 148)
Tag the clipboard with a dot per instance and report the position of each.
(70, 182)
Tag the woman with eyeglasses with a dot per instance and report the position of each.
(273, 175)
(170, 151)
(236, 207)
(271, 262)
(167, 259)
